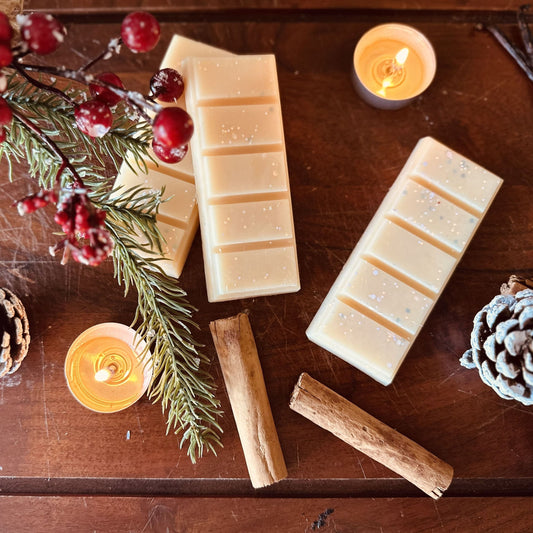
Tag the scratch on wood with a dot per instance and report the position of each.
(411, 403)
(447, 378)
(139, 423)
(330, 365)
(495, 417)
(175, 467)
(16, 272)
(44, 392)
(362, 468)
(438, 514)
(150, 516)
(495, 400)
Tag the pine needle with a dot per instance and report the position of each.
(164, 315)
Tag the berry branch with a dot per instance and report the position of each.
(67, 132)
(42, 34)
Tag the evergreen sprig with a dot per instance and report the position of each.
(164, 315)
(185, 390)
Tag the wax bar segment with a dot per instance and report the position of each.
(178, 216)
(241, 177)
(400, 266)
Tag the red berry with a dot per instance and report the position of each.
(61, 218)
(42, 33)
(140, 31)
(172, 127)
(168, 154)
(27, 206)
(39, 202)
(93, 118)
(88, 251)
(2, 134)
(103, 94)
(100, 216)
(167, 85)
(51, 197)
(6, 31)
(82, 222)
(6, 115)
(5, 55)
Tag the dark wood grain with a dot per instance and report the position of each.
(229, 515)
(343, 156)
(243, 6)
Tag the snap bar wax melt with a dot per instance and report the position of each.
(178, 217)
(391, 281)
(241, 177)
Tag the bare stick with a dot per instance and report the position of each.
(525, 32)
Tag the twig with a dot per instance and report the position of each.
(525, 32)
(134, 98)
(65, 163)
(40, 85)
(112, 48)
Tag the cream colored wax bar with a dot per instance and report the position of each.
(178, 217)
(380, 300)
(241, 177)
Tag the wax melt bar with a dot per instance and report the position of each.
(241, 177)
(391, 281)
(178, 217)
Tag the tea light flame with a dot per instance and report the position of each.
(401, 56)
(395, 69)
(104, 374)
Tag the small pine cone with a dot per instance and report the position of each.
(14, 332)
(502, 345)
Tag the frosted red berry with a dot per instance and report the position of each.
(5, 55)
(172, 127)
(6, 31)
(42, 33)
(6, 115)
(167, 85)
(93, 118)
(140, 31)
(62, 218)
(104, 94)
(169, 154)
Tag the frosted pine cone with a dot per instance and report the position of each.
(502, 346)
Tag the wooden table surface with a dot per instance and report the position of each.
(65, 468)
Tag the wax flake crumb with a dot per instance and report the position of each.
(128, 435)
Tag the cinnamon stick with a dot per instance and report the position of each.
(367, 434)
(237, 353)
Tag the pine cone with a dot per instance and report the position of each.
(502, 345)
(14, 332)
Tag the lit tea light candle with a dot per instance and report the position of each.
(108, 368)
(392, 65)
